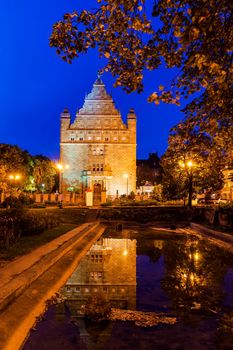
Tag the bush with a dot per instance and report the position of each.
(12, 202)
(37, 206)
(34, 223)
(17, 202)
(25, 199)
(17, 223)
(9, 227)
(107, 204)
(97, 308)
(131, 195)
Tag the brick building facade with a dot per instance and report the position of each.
(99, 147)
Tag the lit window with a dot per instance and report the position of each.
(97, 258)
(86, 290)
(113, 290)
(89, 138)
(95, 275)
(97, 137)
(115, 138)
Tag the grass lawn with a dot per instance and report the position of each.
(69, 219)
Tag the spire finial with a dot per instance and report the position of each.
(99, 74)
(99, 80)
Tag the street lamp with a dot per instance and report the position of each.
(126, 176)
(43, 187)
(14, 177)
(188, 166)
(61, 167)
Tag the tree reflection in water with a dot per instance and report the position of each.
(194, 275)
(175, 274)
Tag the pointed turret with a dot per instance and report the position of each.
(65, 122)
(131, 122)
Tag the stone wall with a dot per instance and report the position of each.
(147, 214)
(222, 218)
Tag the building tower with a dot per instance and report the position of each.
(99, 148)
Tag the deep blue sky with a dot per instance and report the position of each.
(35, 84)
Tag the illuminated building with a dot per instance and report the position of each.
(99, 147)
(108, 269)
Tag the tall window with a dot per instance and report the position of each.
(97, 167)
(98, 151)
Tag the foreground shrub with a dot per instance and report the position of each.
(17, 223)
(17, 202)
(107, 204)
(97, 308)
(12, 202)
(34, 223)
(9, 228)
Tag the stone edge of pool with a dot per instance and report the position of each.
(40, 275)
(220, 239)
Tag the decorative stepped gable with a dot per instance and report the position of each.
(98, 102)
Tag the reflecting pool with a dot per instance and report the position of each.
(146, 270)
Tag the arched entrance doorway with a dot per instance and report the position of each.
(97, 188)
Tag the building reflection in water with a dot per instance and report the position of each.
(108, 268)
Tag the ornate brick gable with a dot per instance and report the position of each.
(98, 102)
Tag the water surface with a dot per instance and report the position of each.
(178, 275)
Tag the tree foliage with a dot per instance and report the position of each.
(187, 145)
(32, 170)
(195, 36)
(44, 172)
(14, 161)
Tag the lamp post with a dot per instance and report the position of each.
(188, 167)
(126, 176)
(42, 187)
(61, 167)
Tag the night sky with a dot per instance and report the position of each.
(36, 84)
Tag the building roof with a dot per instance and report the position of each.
(98, 101)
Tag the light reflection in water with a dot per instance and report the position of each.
(178, 275)
(108, 268)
